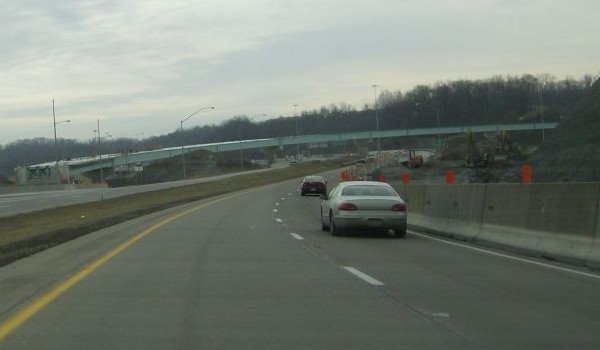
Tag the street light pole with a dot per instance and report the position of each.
(240, 139)
(377, 117)
(540, 87)
(100, 154)
(297, 134)
(182, 141)
(55, 138)
(240, 145)
(437, 115)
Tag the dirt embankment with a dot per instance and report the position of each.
(572, 151)
(569, 153)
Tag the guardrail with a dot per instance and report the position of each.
(10, 190)
(553, 220)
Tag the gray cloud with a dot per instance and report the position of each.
(141, 65)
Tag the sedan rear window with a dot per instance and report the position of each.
(313, 179)
(362, 190)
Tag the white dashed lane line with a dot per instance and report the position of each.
(296, 236)
(363, 276)
(275, 210)
(278, 220)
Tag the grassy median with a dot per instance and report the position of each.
(25, 234)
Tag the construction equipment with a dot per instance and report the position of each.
(414, 160)
(507, 149)
(478, 157)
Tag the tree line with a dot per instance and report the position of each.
(500, 99)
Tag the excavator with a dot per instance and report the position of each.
(414, 160)
(478, 157)
(507, 149)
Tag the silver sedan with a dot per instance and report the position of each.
(363, 205)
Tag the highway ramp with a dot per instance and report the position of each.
(34, 201)
(253, 270)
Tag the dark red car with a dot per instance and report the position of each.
(313, 184)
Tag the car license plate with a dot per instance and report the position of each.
(313, 189)
(374, 222)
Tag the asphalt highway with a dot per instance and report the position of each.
(253, 270)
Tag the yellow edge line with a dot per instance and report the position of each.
(29, 311)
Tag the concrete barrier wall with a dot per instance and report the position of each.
(593, 259)
(560, 221)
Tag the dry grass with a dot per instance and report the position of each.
(25, 234)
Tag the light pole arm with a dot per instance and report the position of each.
(181, 136)
(196, 112)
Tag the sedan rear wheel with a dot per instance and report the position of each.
(333, 228)
(401, 233)
(323, 226)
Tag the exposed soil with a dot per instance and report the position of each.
(572, 151)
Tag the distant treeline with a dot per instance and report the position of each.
(499, 99)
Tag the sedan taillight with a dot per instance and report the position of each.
(399, 207)
(347, 207)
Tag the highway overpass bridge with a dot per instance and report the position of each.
(81, 166)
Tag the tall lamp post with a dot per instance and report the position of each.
(376, 117)
(540, 88)
(297, 134)
(182, 141)
(55, 123)
(240, 138)
(99, 140)
(437, 114)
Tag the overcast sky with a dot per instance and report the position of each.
(141, 66)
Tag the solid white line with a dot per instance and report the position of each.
(559, 268)
(363, 276)
(278, 220)
(296, 236)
